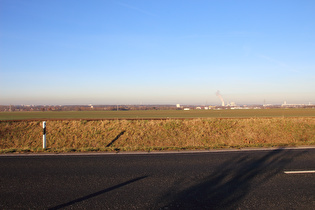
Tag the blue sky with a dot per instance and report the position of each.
(157, 52)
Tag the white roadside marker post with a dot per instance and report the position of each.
(44, 134)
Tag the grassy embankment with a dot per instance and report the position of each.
(149, 135)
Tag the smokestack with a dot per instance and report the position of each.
(219, 95)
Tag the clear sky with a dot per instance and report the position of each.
(157, 51)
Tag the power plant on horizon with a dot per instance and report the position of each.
(233, 104)
(219, 95)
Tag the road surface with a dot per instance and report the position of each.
(259, 179)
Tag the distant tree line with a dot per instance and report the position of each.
(12, 108)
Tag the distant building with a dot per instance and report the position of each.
(294, 105)
(232, 104)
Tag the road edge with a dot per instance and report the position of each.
(154, 152)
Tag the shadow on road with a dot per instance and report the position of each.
(229, 183)
(97, 193)
(115, 139)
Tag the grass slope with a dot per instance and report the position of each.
(146, 135)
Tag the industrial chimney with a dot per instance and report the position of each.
(219, 95)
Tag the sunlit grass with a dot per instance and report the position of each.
(149, 135)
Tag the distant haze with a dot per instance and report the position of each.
(157, 52)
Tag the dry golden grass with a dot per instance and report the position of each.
(131, 135)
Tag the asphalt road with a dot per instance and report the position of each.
(208, 180)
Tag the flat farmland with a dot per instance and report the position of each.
(157, 114)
